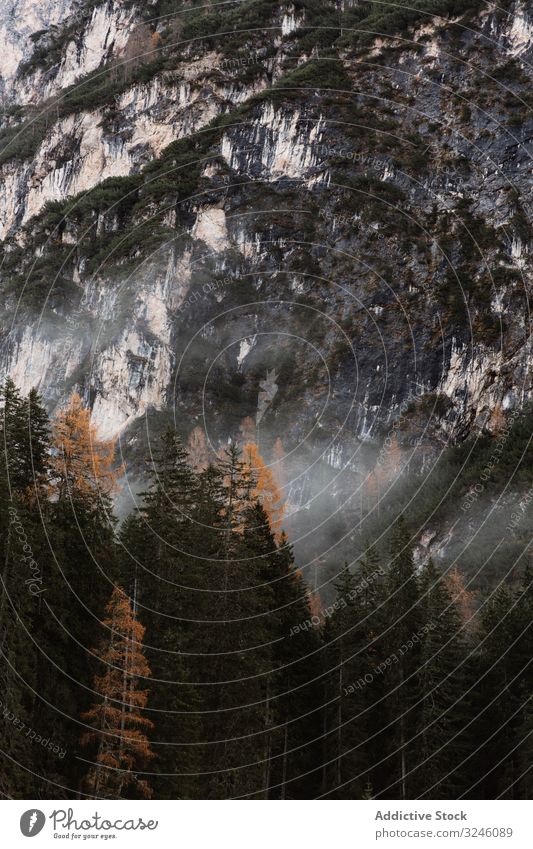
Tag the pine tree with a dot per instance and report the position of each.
(295, 685)
(354, 653)
(442, 683)
(118, 719)
(500, 759)
(82, 564)
(235, 658)
(22, 480)
(162, 553)
(403, 641)
(522, 784)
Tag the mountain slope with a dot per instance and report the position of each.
(195, 198)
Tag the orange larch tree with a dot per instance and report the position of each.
(265, 489)
(82, 464)
(120, 728)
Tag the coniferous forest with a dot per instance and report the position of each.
(180, 654)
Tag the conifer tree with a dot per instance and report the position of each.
(296, 687)
(162, 553)
(23, 470)
(354, 652)
(82, 565)
(265, 489)
(501, 707)
(403, 642)
(82, 464)
(234, 656)
(442, 684)
(120, 726)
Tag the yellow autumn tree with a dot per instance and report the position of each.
(82, 464)
(265, 489)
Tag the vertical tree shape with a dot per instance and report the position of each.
(117, 718)
(82, 464)
(265, 489)
(404, 616)
(238, 484)
(461, 597)
(442, 685)
(22, 473)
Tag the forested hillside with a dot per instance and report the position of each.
(266, 496)
(183, 655)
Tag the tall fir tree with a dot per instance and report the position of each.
(23, 483)
(403, 647)
(443, 687)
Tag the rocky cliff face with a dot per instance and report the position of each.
(325, 193)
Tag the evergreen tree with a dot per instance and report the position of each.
(355, 652)
(22, 483)
(442, 683)
(81, 565)
(403, 647)
(499, 763)
(296, 686)
(161, 551)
